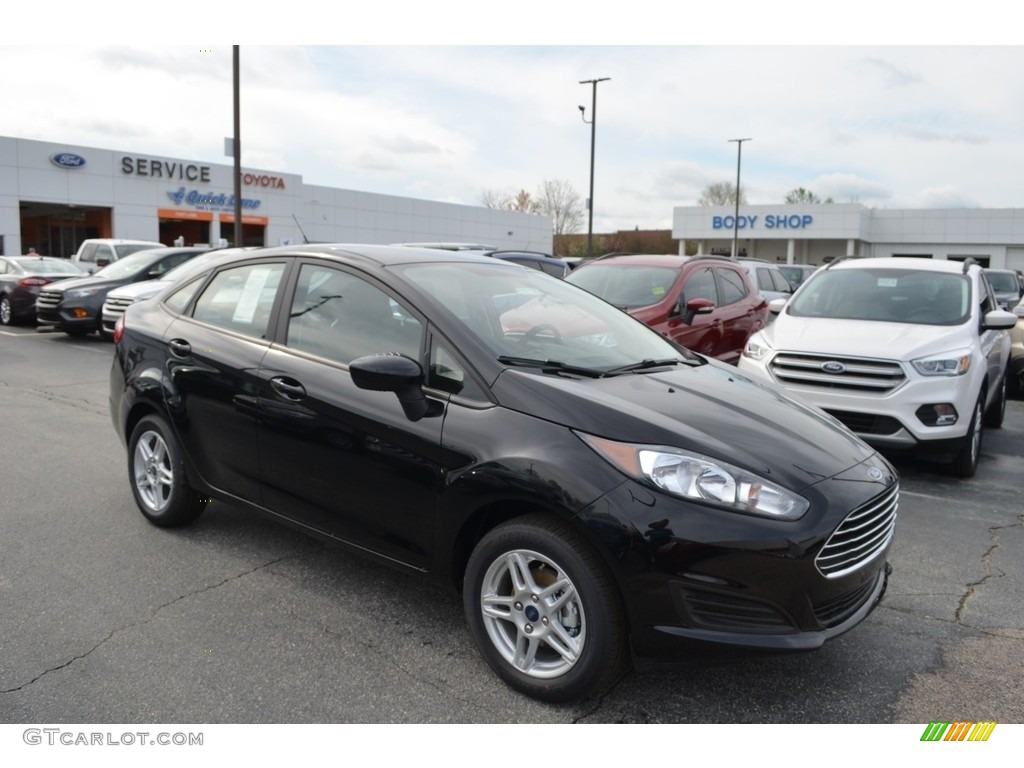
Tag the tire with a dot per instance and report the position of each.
(997, 410)
(966, 462)
(544, 611)
(6, 311)
(156, 471)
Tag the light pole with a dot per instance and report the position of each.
(238, 149)
(593, 132)
(736, 215)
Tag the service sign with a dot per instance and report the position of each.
(67, 160)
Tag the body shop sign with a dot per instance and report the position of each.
(771, 221)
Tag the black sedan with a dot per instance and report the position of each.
(592, 488)
(21, 277)
(75, 306)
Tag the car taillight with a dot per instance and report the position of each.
(118, 329)
(31, 281)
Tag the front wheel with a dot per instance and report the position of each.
(966, 462)
(997, 411)
(157, 473)
(544, 610)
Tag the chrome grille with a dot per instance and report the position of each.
(852, 373)
(116, 306)
(860, 537)
(49, 299)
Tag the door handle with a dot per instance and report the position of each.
(180, 347)
(287, 388)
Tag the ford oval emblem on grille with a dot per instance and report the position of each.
(875, 473)
(833, 366)
(67, 160)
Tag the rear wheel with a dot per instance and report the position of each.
(966, 462)
(6, 311)
(544, 611)
(157, 473)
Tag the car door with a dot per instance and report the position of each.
(701, 332)
(995, 344)
(343, 460)
(213, 353)
(739, 311)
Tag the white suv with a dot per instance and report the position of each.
(96, 253)
(907, 353)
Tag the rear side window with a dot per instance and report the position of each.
(732, 286)
(240, 299)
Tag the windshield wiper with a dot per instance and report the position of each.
(551, 366)
(647, 363)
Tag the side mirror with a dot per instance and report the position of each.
(392, 373)
(775, 306)
(998, 320)
(696, 307)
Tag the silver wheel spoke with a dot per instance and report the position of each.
(567, 647)
(557, 601)
(519, 571)
(497, 606)
(526, 651)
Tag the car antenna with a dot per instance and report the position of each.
(304, 238)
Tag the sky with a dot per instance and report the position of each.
(888, 126)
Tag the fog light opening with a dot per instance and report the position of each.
(937, 415)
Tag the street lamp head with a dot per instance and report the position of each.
(582, 108)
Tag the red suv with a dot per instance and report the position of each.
(707, 303)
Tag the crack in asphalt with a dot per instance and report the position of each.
(147, 620)
(986, 561)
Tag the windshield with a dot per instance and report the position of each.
(125, 249)
(886, 295)
(129, 265)
(47, 266)
(626, 285)
(1003, 282)
(528, 315)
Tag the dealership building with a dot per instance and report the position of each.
(54, 196)
(814, 234)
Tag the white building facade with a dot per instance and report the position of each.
(53, 196)
(814, 234)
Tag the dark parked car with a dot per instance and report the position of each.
(21, 277)
(76, 306)
(593, 488)
(707, 304)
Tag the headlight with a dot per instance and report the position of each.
(755, 348)
(701, 479)
(950, 364)
(80, 293)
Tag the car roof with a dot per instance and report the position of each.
(643, 259)
(376, 255)
(898, 262)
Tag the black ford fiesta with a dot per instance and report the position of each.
(594, 490)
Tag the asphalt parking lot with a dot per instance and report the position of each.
(107, 619)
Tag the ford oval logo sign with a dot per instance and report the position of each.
(833, 366)
(67, 160)
(875, 473)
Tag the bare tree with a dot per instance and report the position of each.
(801, 195)
(721, 193)
(558, 199)
(495, 198)
(523, 203)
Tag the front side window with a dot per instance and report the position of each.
(701, 285)
(240, 299)
(341, 316)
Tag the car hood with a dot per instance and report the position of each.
(139, 291)
(862, 338)
(712, 409)
(85, 282)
